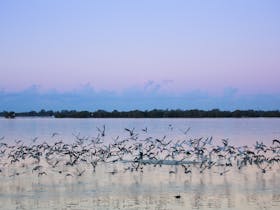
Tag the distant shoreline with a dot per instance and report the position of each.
(155, 113)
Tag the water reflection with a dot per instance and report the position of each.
(155, 188)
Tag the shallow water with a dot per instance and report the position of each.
(154, 188)
(113, 187)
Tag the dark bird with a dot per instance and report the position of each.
(172, 172)
(37, 168)
(55, 164)
(80, 173)
(94, 164)
(145, 129)
(42, 173)
(35, 139)
(101, 131)
(275, 141)
(18, 141)
(131, 131)
(177, 196)
(54, 134)
(225, 142)
(186, 131)
(186, 169)
(3, 145)
(170, 127)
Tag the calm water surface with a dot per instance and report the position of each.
(155, 187)
(238, 131)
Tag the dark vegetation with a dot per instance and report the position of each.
(9, 115)
(155, 113)
(41, 113)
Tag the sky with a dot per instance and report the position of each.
(144, 54)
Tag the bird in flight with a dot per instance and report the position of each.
(54, 134)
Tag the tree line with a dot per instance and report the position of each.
(155, 113)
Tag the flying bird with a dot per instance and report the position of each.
(54, 134)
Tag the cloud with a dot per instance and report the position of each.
(148, 97)
(153, 86)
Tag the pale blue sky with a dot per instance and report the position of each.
(169, 48)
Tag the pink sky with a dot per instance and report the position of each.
(209, 46)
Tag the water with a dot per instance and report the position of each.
(239, 131)
(155, 187)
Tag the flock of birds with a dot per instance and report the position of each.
(133, 151)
